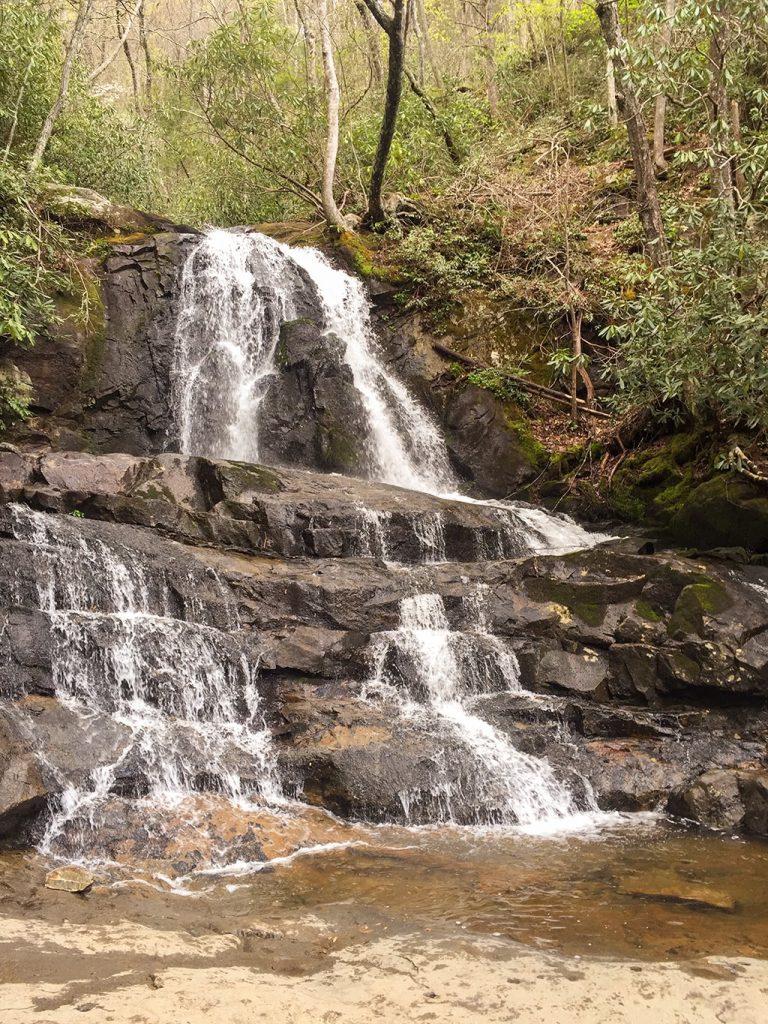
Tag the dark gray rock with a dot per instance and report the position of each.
(500, 458)
(312, 415)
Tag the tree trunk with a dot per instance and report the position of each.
(372, 35)
(613, 110)
(631, 112)
(575, 317)
(421, 15)
(450, 144)
(70, 55)
(122, 37)
(564, 50)
(395, 25)
(721, 150)
(128, 56)
(144, 40)
(310, 46)
(739, 178)
(489, 58)
(330, 209)
(660, 112)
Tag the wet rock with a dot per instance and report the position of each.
(714, 800)
(311, 415)
(22, 788)
(753, 787)
(668, 887)
(498, 455)
(583, 673)
(43, 747)
(70, 879)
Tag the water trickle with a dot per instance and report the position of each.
(184, 700)
(442, 670)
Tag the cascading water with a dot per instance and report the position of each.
(235, 294)
(186, 702)
(442, 672)
(406, 447)
(237, 288)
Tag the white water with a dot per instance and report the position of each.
(187, 708)
(236, 291)
(405, 444)
(443, 671)
(235, 294)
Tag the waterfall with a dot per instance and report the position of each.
(185, 698)
(237, 288)
(235, 294)
(405, 444)
(443, 671)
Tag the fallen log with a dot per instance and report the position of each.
(527, 385)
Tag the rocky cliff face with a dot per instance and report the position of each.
(647, 675)
(643, 678)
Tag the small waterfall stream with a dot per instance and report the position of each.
(182, 697)
(442, 671)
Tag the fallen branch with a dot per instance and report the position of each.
(742, 463)
(527, 385)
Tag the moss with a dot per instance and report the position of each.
(534, 451)
(580, 600)
(339, 451)
(95, 341)
(646, 611)
(155, 492)
(622, 501)
(706, 597)
(724, 511)
(281, 352)
(589, 612)
(360, 253)
(253, 478)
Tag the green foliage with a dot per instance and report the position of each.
(500, 384)
(444, 261)
(28, 276)
(693, 335)
(15, 395)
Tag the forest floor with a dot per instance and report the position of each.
(129, 973)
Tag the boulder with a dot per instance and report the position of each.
(724, 511)
(487, 444)
(714, 800)
(312, 415)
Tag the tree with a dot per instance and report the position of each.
(70, 55)
(396, 27)
(631, 112)
(660, 111)
(330, 209)
(721, 121)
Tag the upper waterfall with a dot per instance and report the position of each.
(237, 289)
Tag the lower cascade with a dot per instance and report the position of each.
(444, 674)
(181, 696)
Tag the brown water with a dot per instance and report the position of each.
(642, 888)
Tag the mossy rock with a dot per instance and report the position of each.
(360, 254)
(725, 511)
(696, 602)
(247, 477)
